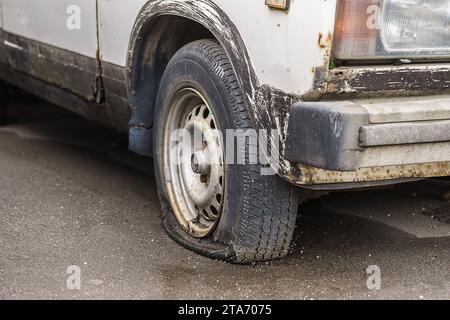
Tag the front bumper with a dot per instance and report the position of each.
(359, 141)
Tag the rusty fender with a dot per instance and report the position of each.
(268, 107)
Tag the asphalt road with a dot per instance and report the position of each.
(71, 194)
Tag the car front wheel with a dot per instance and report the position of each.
(224, 211)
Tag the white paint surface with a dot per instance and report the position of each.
(46, 21)
(283, 46)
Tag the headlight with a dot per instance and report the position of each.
(392, 29)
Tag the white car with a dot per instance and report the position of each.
(286, 96)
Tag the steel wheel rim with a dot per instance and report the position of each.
(193, 163)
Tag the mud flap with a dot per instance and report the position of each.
(141, 141)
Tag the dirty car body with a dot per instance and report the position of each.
(282, 59)
(356, 97)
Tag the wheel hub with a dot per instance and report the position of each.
(201, 162)
(195, 163)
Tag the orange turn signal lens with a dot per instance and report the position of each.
(356, 31)
(392, 29)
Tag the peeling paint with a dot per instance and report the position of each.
(12, 45)
(383, 81)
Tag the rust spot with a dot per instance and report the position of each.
(319, 41)
(324, 44)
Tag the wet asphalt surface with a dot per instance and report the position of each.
(71, 194)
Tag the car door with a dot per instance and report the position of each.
(54, 41)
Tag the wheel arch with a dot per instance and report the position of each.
(161, 29)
